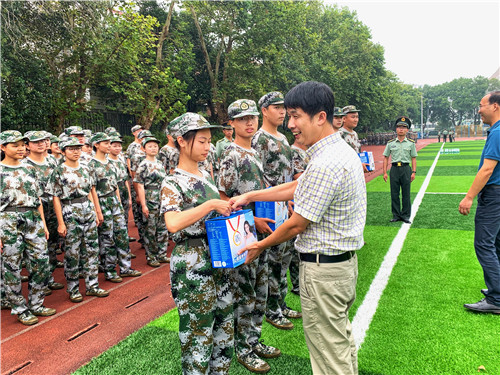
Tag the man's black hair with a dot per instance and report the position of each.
(312, 97)
(494, 97)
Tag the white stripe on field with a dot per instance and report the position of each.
(446, 193)
(366, 311)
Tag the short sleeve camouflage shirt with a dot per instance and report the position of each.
(70, 183)
(276, 156)
(151, 174)
(351, 138)
(182, 191)
(104, 176)
(19, 186)
(299, 160)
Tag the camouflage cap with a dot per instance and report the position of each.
(11, 136)
(403, 121)
(114, 134)
(110, 129)
(135, 128)
(350, 109)
(87, 133)
(337, 112)
(242, 107)
(99, 137)
(35, 136)
(54, 139)
(69, 142)
(187, 122)
(149, 139)
(274, 97)
(74, 130)
(115, 138)
(144, 134)
(47, 134)
(227, 127)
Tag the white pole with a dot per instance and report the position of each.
(422, 115)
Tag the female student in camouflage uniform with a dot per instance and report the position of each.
(149, 177)
(241, 171)
(22, 231)
(113, 232)
(202, 294)
(77, 207)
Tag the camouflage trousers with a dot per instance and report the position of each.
(124, 197)
(204, 301)
(82, 246)
(250, 296)
(275, 262)
(23, 233)
(155, 236)
(53, 241)
(294, 267)
(113, 237)
(288, 254)
(137, 212)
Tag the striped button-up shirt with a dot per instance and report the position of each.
(331, 193)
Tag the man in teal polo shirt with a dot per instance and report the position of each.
(402, 151)
(486, 186)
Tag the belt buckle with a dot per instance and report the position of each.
(399, 164)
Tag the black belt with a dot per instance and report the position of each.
(195, 241)
(326, 258)
(75, 200)
(18, 209)
(107, 195)
(399, 164)
(152, 188)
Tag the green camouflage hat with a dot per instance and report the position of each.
(274, 97)
(109, 130)
(149, 139)
(187, 122)
(403, 121)
(144, 134)
(47, 134)
(114, 134)
(337, 112)
(34, 136)
(242, 107)
(135, 128)
(11, 136)
(350, 109)
(87, 133)
(69, 142)
(114, 138)
(74, 130)
(99, 137)
(227, 127)
(54, 139)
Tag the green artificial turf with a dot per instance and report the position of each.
(459, 170)
(421, 326)
(440, 211)
(450, 184)
(378, 210)
(378, 184)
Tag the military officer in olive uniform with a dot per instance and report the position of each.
(403, 155)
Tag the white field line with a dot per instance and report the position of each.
(447, 193)
(365, 312)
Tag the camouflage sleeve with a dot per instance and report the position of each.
(299, 164)
(140, 174)
(228, 174)
(171, 198)
(53, 186)
(258, 144)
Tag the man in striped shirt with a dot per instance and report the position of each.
(329, 219)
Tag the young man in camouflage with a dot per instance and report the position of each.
(78, 213)
(149, 177)
(22, 231)
(351, 119)
(38, 146)
(222, 143)
(113, 233)
(338, 118)
(169, 155)
(241, 171)
(201, 293)
(276, 155)
(129, 154)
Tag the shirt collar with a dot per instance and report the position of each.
(316, 148)
(495, 125)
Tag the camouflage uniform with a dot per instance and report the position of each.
(113, 232)
(202, 293)
(276, 156)
(351, 138)
(22, 232)
(151, 175)
(72, 186)
(132, 150)
(44, 170)
(122, 175)
(240, 172)
(169, 157)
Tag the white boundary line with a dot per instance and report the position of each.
(367, 309)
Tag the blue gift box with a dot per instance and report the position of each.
(227, 235)
(277, 211)
(367, 158)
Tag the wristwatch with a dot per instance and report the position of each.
(413, 171)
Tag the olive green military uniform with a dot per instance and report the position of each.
(401, 154)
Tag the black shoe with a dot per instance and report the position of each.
(406, 221)
(484, 291)
(483, 306)
(393, 220)
(132, 239)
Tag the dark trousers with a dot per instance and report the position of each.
(400, 182)
(487, 240)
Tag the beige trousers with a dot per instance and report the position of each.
(327, 291)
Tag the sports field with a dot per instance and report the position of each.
(415, 279)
